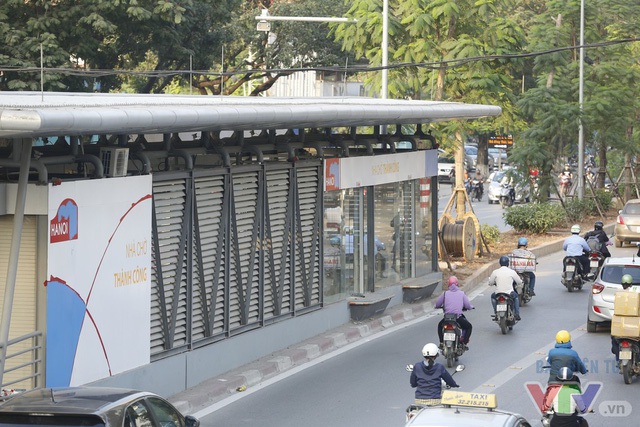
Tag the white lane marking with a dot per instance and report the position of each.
(507, 374)
(254, 388)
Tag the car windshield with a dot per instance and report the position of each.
(632, 208)
(614, 273)
(498, 176)
(446, 159)
(471, 150)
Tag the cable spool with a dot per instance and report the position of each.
(460, 238)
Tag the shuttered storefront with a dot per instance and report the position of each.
(23, 315)
(233, 251)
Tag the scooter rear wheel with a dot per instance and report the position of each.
(503, 325)
(450, 360)
(627, 373)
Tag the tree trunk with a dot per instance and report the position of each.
(483, 156)
(552, 72)
(602, 164)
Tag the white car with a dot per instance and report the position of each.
(466, 409)
(446, 162)
(523, 192)
(604, 288)
(499, 156)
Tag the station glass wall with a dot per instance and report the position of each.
(400, 215)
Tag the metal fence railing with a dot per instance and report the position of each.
(23, 366)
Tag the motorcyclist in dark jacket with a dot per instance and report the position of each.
(602, 238)
(427, 376)
(562, 355)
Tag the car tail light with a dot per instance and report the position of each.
(596, 288)
(624, 344)
(620, 220)
(596, 309)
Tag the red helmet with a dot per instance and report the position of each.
(453, 280)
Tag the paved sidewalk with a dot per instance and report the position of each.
(236, 381)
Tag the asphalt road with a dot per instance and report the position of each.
(486, 213)
(368, 385)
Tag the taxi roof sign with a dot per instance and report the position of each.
(475, 400)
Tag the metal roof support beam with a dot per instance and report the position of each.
(35, 164)
(255, 150)
(14, 253)
(82, 158)
(146, 156)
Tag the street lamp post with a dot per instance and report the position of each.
(580, 100)
(385, 49)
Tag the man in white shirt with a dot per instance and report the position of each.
(503, 279)
(576, 246)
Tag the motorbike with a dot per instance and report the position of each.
(524, 293)
(475, 190)
(453, 346)
(414, 408)
(507, 195)
(548, 411)
(505, 312)
(629, 356)
(572, 273)
(522, 266)
(596, 259)
(565, 185)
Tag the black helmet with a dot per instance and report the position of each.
(504, 260)
(598, 225)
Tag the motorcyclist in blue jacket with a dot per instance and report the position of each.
(562, 355)
(427, 376)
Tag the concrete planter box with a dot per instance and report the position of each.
(368, 307)
(415, 293)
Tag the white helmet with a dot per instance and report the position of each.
(575, 229)
(430, 350)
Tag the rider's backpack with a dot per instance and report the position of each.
(594, 243)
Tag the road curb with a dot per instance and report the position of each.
(233, 382)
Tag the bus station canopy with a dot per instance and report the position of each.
(43, 114)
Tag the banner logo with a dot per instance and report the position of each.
(565, 393)
(332, 174)
(64, 226)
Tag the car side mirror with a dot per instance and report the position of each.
(460, 368)
(409, 368)
(191, 421)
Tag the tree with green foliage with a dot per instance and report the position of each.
(551, 107)
(266, 57)
(96, 44)
(440, 41)
(101, 35)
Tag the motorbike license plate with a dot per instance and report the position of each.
(501, 307)
(449, 336)
(571, 267)
(593, 264)
(625, 354)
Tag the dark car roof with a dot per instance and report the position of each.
(72, 400)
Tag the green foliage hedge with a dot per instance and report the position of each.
(577, 209)
(491, 233)
(534, 218)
